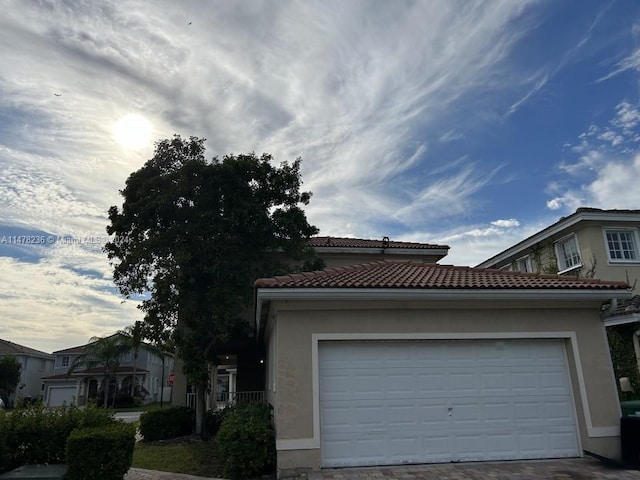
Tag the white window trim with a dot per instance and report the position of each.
(526, 258)
(636, 241)
(559, 255)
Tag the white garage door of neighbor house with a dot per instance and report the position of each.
(58, 395)
(398, 402)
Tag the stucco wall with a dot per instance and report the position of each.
(593, 246)
(292, 394)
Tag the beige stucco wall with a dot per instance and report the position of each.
(592, 244)
(292, 325)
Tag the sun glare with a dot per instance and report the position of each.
(132, 132)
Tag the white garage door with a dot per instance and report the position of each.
(58, 395)
(388, 403)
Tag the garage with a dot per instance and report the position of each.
(391, 363)
(430, 401)
(59, 395)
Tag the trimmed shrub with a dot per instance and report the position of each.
(38, 435)
(167, 423)
(246, 442)
(100, 453)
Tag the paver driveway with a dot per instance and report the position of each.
(569, 469)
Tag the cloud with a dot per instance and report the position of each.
(510, 223)
(364, 95)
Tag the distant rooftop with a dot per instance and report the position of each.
(10, 348)
(343, 242)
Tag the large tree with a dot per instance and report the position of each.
(194, 234)
(9, 376)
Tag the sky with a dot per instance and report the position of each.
(465, 123)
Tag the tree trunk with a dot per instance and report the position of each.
(106, 392)
(201, 426)
(133, 383)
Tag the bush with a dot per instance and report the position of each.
(214, 418)
(246, 442)
(167, 423)
(100, 453)
(37, 435)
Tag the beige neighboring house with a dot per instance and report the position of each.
(591, 242)
(34, 365)
(400, 362)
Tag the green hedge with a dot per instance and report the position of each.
(167, 423)
(246, 442)
(38, 435)
(100, 453)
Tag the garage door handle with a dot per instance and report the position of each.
(450, 410)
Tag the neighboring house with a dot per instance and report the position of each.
(239, 372)
(590, 243)
(34, 365)
(409, 362)
(84, 384)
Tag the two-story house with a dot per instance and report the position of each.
(152, 370)
(34, 365)
(240, 372)
(591, 242)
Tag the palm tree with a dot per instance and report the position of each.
(104, 352)
(133, 336)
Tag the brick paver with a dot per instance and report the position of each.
(570, 469)
(141, 474)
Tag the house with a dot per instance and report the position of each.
(34, 365)
(239, 372)
(399, 362)
(591, 242)
(152, 371)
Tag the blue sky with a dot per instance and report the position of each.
(471, 124)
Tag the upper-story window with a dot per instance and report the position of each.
(568, 253)
(622, 245)
(65, 361)
(524, 264)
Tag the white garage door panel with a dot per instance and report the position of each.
(384, 403)
(60, 395)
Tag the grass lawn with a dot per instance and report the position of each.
(193, 457)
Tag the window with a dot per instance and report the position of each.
(524, 264)
(43, 364)
(65, 361)
(621, 245)
(568, 253)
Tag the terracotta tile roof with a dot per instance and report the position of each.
(418, 275)
(342, 242)
(628, 307)
(10, 348)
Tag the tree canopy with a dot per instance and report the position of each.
(9, 375)
(194, 234)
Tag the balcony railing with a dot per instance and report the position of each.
(224, 399)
